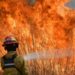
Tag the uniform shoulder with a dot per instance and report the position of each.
(19, 59)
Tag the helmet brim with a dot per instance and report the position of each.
(9, 42)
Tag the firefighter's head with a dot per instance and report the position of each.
(10, 43)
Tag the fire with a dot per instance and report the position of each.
(43, 25)
(11, 22)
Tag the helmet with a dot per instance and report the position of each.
(10, 40)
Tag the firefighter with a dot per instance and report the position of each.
(11, 63)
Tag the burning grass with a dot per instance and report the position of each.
(43, 25)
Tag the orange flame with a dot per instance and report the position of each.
(48, 24)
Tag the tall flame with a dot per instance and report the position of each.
(44, 25)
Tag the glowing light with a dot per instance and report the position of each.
(11, 21)
(46, 26)
(61, 11)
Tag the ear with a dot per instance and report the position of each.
(5, 47)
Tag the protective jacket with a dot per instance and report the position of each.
(13, 64)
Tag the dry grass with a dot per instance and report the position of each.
(44, 26)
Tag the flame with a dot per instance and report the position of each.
(11, 21)
(45, 25)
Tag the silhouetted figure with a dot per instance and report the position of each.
(11, 63)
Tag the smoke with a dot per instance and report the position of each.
(31, 2)
(71, 4)
(49, 54)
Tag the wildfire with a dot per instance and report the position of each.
(41, 26)
(11, 22)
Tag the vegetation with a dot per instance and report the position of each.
(46, 25)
